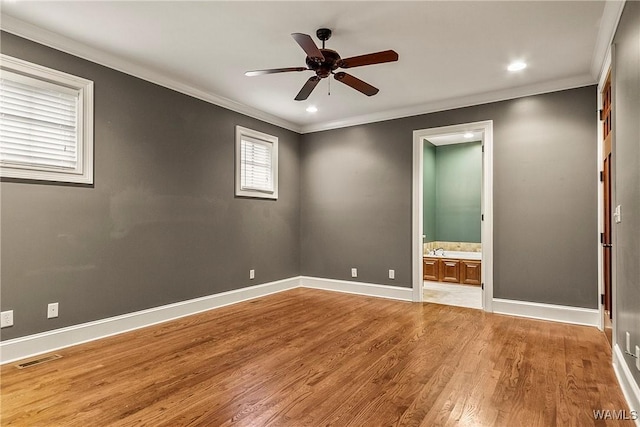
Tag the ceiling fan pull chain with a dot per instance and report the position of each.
(329, 87)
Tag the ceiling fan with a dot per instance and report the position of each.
(325, 62)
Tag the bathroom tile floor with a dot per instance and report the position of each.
(452, 294)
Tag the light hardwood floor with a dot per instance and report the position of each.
(315, 358)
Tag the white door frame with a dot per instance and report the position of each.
(486, 127)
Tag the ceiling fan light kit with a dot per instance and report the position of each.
(324, 62)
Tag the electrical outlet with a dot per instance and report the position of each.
(252, 274)
(354, 272)
(628, 342)
(6, 319)
(638, 357)
(392, 274)
(52, 310)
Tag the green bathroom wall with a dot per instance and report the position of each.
(429, 192)
(458, 170)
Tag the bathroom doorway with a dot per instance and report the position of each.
(452, 215)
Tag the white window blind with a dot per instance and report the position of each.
(38, 123)
(256, 165)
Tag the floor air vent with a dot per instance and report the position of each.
(39, 361)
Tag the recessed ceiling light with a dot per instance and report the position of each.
(468, 135)
(517, 66)
(312, 109)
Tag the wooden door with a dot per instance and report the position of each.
(606, 180)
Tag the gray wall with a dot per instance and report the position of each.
(160, 225)
(626, 152)
(429, 192)
(355, 204)
(356, 197)
(458, 192)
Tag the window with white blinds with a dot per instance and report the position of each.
(256, 164)
(45, 133)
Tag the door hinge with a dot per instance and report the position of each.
(601, 176)
(601, 237)
(600, 114)
(482, 217)
(483, 148)
(601, 298)
(482, 286)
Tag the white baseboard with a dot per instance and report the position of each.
(552, 312)
(359, 288)
(32, 345)
(629, 386)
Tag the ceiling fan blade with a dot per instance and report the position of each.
(274, 71)
(356, 83)
(307, 88)
(369, 59)
(308, 45)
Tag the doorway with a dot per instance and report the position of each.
(451, 271)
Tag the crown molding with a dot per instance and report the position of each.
(608, 25)
(59, 42)
(453, 103)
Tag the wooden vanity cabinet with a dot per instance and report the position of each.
(430, 270)
(470, 272)
(450, 270)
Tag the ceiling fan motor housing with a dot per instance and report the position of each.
(324, 68)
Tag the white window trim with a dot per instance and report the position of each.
(270, 139)
(83, 174)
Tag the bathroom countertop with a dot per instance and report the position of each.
(457, 255)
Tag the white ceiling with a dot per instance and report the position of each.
(451, 53)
